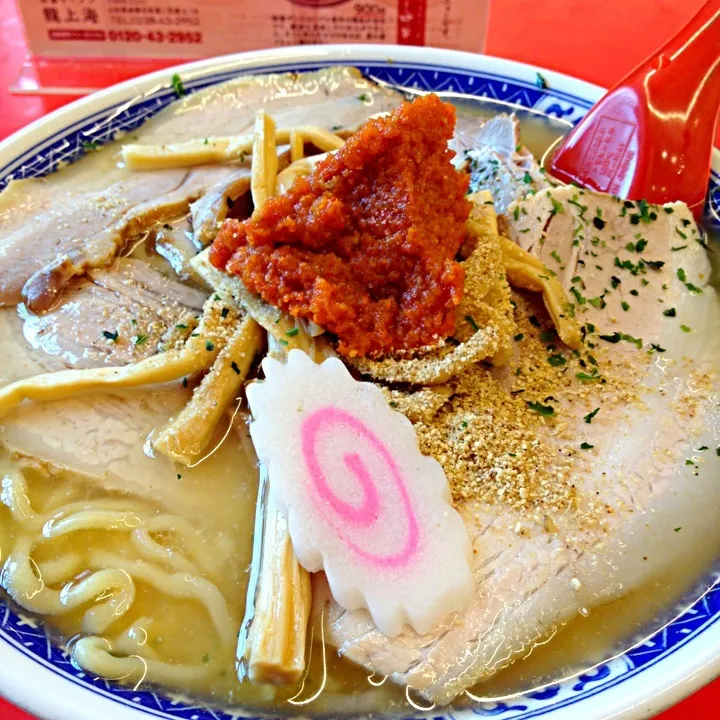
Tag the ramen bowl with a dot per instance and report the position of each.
(657, 671)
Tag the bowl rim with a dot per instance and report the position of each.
(53, 695)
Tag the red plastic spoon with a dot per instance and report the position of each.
(652, 135)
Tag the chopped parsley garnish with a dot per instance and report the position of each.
(112, 336)
(141, 339)
(541, 82)
(216, 297)
(177, 85)
(689, 462)
(224, 312)
(548, 336)
(654, 264)
(518, 337)
(694, 289)
(586, 446)
(668, 210)
(681, 275)
(89, 145)
(209, 346)
(657, 348)
(677, 529)
(614, 281)
(598, 222)
(577, 278)
(624, 306)
(588, 377)
(598, 302)
(364, 98)
(527, 178)
(681, 233)
(703, 447)
(235, 367)
(581, 300)
(185, 382)
(589, 417)
(556, 257)
(283, 342)
(630, 247)
(534, 321)
(557, 206)
(640, 245)
(679, 247)
(590, 327)
(540, 408)
(685, 328)
(516, 212)
(179, 476)
(517, 392)
(292, 332)
(670, 312)
(181, 326)
(556, 360)
(634, 292)
(393, 404)
(471, 322)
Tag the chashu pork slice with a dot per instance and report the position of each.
(58, 227)
(636, 474)
(114, 317)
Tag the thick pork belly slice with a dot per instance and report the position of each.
(536, 569)
(113, 317)
(55, 228)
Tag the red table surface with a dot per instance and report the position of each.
(596, 40)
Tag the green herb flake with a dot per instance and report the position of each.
(689, 462)
(624, 306)
(556, 360)
(209, 346)
(364, 98)
(541, 82)
(141, 339)
(283, 342)
(614, 281)
(112, 336)
(518, 337)
(669, 210)
(586, 446)
(670, 312)
(657, 348)
(516, 213)
(224, 312)
(556, 257)
(179, 476)
(471, 322)
(640, 245)
(685, 328)
(598, 222)
(589, 417)
(681, 233)
(235, 367)
(292, 332)
(527, 178)
(678, 247)
(703, 447)
(181, 326)
(90, 145)
(185, 382)
(557, 206)
(177, 85)
(677, 529)
(537, 407)
(682, 277)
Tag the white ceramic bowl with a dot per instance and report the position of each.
(39, 677)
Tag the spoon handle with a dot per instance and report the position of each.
(651, 136)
